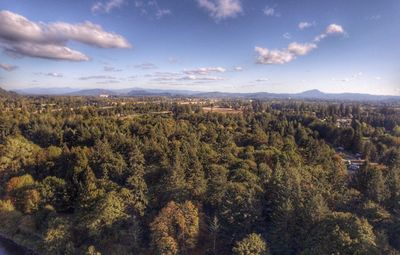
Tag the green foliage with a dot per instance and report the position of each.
(58, 238)
(54, 192)
(98, 176)
(176, 229)
(370, 181)
(107, 212)
(252, 244)
(342, 233)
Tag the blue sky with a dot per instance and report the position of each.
(205, 45)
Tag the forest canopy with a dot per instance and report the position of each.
(163, 176)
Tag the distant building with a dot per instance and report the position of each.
(345, 122)
(104, 96)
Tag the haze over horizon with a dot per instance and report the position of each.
(202, 45)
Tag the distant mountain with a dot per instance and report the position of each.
(310, 95)
(140, 92)
(314, 93)
(5, 93)
(45, 91)
(93, 92)
(161, 92)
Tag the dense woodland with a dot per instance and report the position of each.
(153, 176)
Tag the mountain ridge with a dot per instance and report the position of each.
(137, 91)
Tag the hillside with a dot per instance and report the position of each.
(5, 93)
(134, 92)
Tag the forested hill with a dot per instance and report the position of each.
(5, 93)
(119, 176)
(140, 92)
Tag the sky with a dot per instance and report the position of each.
(276, 46)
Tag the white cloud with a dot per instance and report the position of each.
(88, 33)
(205, 70)
(46, 51)
(37, 39)
(334, 29)
(238, 68)
(262, 80)
(57, 75)
(266, 56)
(305, 24)
(52, 74)
(221, 9)
(282, 56)
(200, 78)
(151, 9)
(97, 77)
(162, 13)
(299, 49)
(270, 12)
(7, 67)
(319, 37)
(107, 6)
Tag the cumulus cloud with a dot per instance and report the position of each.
(221, 9)
(238, 68)
(299, 49)
(305, 24)
(266, 56)
(332, 29)
(107, 6)
(294, 50)
(46, 51)
(205, 70)
(7, 67)
(88, 33)
(20, 36)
